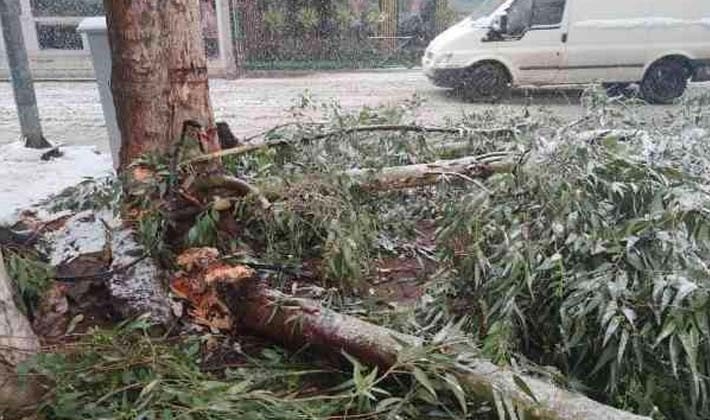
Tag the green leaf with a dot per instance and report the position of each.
(667, 330)
(385, 404)
(423, 379)
(525, 388)
(611, 330)
(456, 388)
(148, 388)
(674, 349)
(623, 342)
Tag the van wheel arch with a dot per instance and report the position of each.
(666, 79)
(496, 83)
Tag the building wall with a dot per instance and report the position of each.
(57, 51)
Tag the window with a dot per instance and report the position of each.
(547, 12)
(67, 8)
(58, 37)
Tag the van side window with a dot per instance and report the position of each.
(547, 12)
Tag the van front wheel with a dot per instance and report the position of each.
(664, 82)
(486, 81)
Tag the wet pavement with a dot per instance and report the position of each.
(71, 111)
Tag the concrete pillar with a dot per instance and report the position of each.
(95, 35)
(29, 29)
(22, 85)
(3, 57)
(226, 39)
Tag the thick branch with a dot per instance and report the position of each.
(233, 184)
(248, 148)
(298, 322)
(411, 176)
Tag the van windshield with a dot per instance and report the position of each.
(486, 8)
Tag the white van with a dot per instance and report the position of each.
(660, 44)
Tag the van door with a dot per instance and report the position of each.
(534, 41)
(608, 44)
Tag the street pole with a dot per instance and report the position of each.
(22, 85)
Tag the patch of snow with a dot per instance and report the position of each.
(83, 235)
(641, 23)
(139, 287)
(25, 179)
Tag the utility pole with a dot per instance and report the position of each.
(22, 85)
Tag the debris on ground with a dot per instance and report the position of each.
(555, 273)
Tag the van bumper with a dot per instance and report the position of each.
(702, 71)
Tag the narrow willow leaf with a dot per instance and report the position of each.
(423, 379)
(622, 345)
(673, 349)
(385, 404)
(456, 388)
(611, 330)
(500, 410)
(148, 388)
(520, 383)
(667, 330)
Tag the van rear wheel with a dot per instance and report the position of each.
(664, 82)
(486, 81)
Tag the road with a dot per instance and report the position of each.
(71, 112)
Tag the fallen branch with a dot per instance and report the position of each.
(411, 176)
(234, 184)
(298, 322)
(393, 178)
(497, 132)
(247, 148)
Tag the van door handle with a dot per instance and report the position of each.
(564, 38)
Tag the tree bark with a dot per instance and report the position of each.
(411, 176)
(159, 76)
(298, 322)
(17, 343)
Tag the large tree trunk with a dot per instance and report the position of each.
(159, 75)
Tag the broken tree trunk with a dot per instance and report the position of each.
(96, 248)
(17, 343)
(159, 77)
(298, 322)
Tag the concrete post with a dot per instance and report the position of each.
(29, 29)
(22, 85)
(95, 34)
(226, 41)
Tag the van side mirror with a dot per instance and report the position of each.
(503, 24)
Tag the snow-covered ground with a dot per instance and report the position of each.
(26, 179)
(71, 115)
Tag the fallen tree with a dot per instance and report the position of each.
(300, 323)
